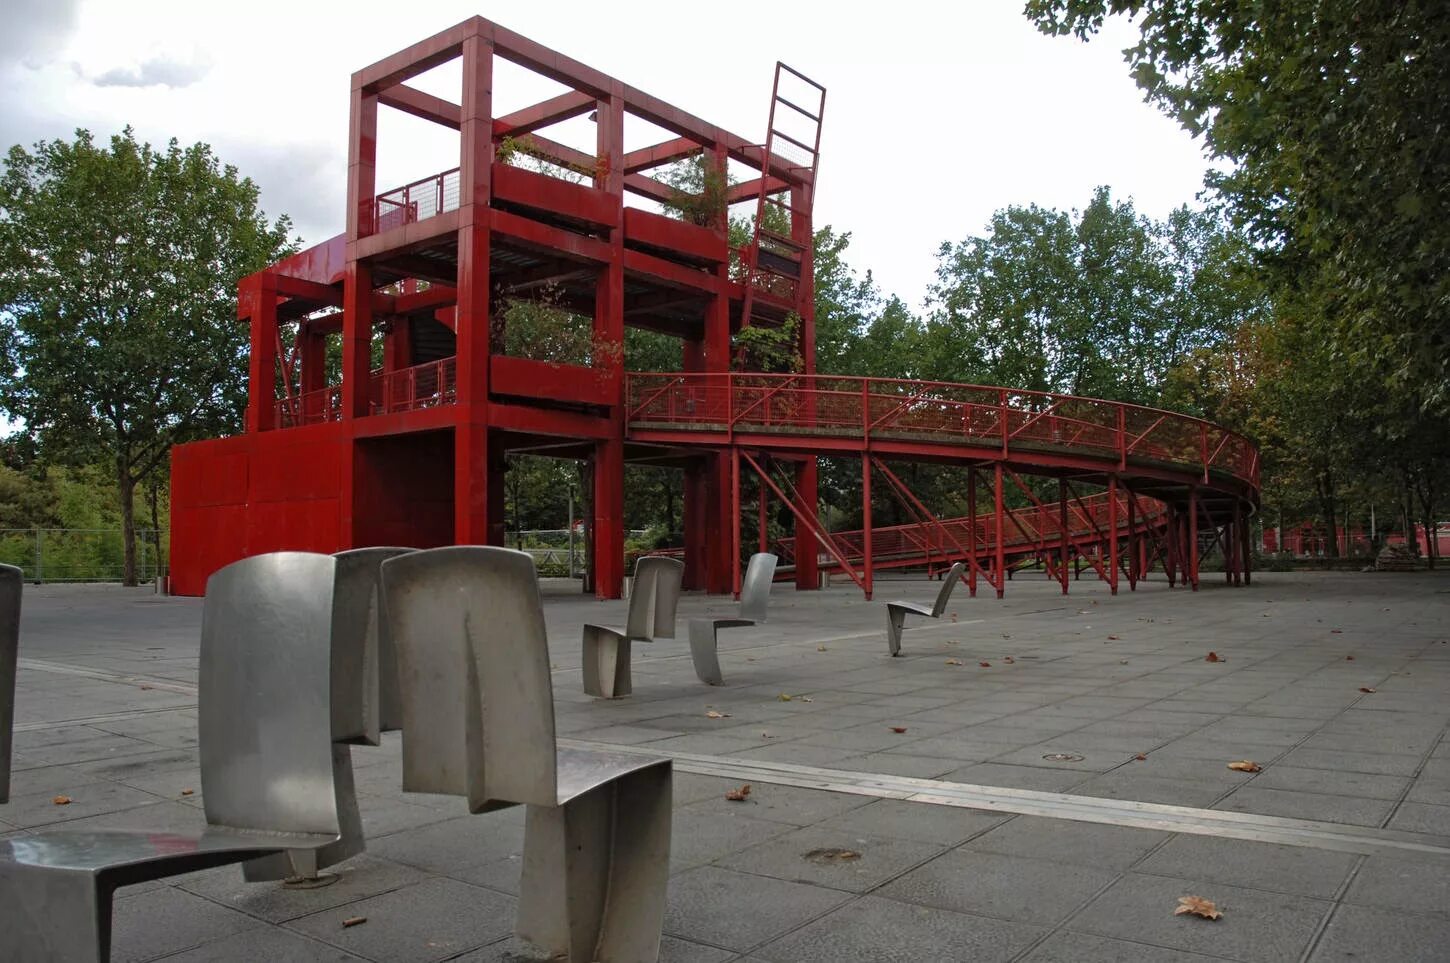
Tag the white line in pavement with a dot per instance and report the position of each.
(1092, 809)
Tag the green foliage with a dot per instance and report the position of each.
(698, 191)
(1102, 302)
(118, 273)
(772, 350)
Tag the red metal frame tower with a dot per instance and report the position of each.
(411, 452)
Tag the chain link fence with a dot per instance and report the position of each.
(80, 554)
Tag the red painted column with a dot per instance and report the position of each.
(257, 296)
(972, 532)
(735, 522)
(1112, 530)
(478, 504)
(1190, 574)
(720, 518)
(1062, 529)
(608, 359)
(866, 524)
(998, 535)
(1135, 555)
(807, 474)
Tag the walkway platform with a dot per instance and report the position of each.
(1050, 805)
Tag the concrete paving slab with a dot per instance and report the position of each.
(740, 910)
(1295, 870)
(1002, 887)
(165, 919)
(1357, 933)
(1087, 844)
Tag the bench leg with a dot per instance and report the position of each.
(894, 619)
(704, 652)
(53, 915)
(606, 663)
(595, 870)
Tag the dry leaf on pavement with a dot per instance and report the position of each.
(1009, 660)
(738, 795)
(898, 729)
(1140, 757)
(820, 648)
(712, 714)
(1112, 638)
(1214, 657)
(1246, 765)
(1198, 906)
(985, 665)
(785, 697)
(954, 661)
(1365, 688)
(354, 921)
(187, 792)
(1349, 658)
(61, 801)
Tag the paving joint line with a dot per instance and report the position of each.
(1205, 822)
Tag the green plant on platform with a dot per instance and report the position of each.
(772, 350)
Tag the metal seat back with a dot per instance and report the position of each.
(944, 594)
(265, 680)
(755, 589)
(11, 579)
(365, 696)
(655, 597)
(473, 666)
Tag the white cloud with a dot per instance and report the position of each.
(156, 72)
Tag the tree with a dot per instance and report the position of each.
(118, 274)
(1333, 116)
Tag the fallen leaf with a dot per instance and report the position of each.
(897, 729)
(785, 697)
(1122, 662)
(1365, 688)
(1198, 906)
(1245, 765)
(1213, 657)
(985, 665)
(1009, 660)
(820, 648)
(1336, 631)
(187, 792)
(1349, 658)
(954, 661)
(145, 688)
(712, 714)
(61, 801)
(1112, 638)
(354, 921)
(738, 795)
(1140, 757)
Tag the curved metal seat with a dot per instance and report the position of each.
(11, 579)
(754, 601)
(478, 722)
(652, 607)
(275, 786)
(896, 612)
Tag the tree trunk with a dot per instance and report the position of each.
(1427, 510)
(126, 486)
(154, 496)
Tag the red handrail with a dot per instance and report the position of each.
(937, 410)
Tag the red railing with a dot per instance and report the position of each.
(414, 202)
(1024, 529)
(311, 408)
(940, 413)
(425, 385)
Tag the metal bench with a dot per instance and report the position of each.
(11, 579)
(896, 612)
(754, 600)
(652, 606)
(275, 785)
(478, 722)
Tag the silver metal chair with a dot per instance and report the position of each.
(274, 783)
(754, 599)
(896, 612)
(652, 606)
(478, 722)
(11, 579)
(365, 663)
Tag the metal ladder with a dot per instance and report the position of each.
(772, 262)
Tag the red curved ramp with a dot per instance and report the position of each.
(1165, 472)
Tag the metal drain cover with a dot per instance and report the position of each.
(1063, 757)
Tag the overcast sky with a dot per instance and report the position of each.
(937, 113)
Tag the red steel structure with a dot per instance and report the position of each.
(409, 447)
